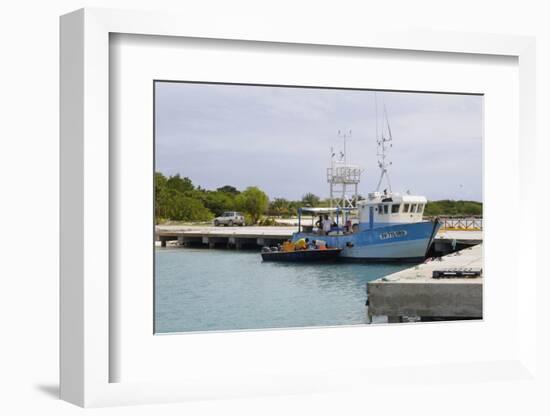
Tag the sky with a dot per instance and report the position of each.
(280, 138)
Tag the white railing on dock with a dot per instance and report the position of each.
(462, 223)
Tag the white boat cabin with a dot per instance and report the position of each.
(391, 208)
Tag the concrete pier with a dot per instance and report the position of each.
(449, 241)
(229, 237)
(413, 294)
(257, 237)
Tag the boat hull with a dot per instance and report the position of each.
(302, 255)
(397, 242)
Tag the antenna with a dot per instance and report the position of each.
(343, 178)
(387, 122)
(381, 142)
(376, 114)
(345, 136)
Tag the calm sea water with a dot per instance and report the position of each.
(208, 289)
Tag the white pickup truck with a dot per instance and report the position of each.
(229, 218)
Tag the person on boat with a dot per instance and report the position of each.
(327, 225)
(319, 225)
(288, 246)
(320, 245)
(301, 244)
(347, 228)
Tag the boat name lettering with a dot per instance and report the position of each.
(393, 234)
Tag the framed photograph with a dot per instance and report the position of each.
(249, 214)
(259, 175)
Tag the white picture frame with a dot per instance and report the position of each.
(86, 355)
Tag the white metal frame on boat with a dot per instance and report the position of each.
(85, 263)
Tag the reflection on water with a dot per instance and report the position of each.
(205, 290)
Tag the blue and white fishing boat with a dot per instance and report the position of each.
(390, 228)
(386, 226)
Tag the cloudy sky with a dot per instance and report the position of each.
(279, 139)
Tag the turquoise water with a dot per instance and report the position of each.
(210, 289)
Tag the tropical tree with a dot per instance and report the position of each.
(279, 207)
(310, 200)
(253, 201)
(180, 184)
(160, 189)
(228, 189)
(218, 202)
(178, 207)
(175, 200)
(294, 206)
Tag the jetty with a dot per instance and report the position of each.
(449, 241)
(257, 237)
(445, 288)
(223, 237)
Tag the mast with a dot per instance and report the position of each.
(345, 135)
(383, 142)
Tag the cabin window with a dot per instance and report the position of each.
(385, 209)
(406, 208)
(380, 209)
(420, 208)
(413, 209)
(395, 209)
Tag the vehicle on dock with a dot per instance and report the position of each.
(229, 218)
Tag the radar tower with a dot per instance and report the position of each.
(343, 178)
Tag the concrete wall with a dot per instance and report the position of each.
(442, 299)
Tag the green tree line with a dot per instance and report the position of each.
(448, 207)
(178, 199)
